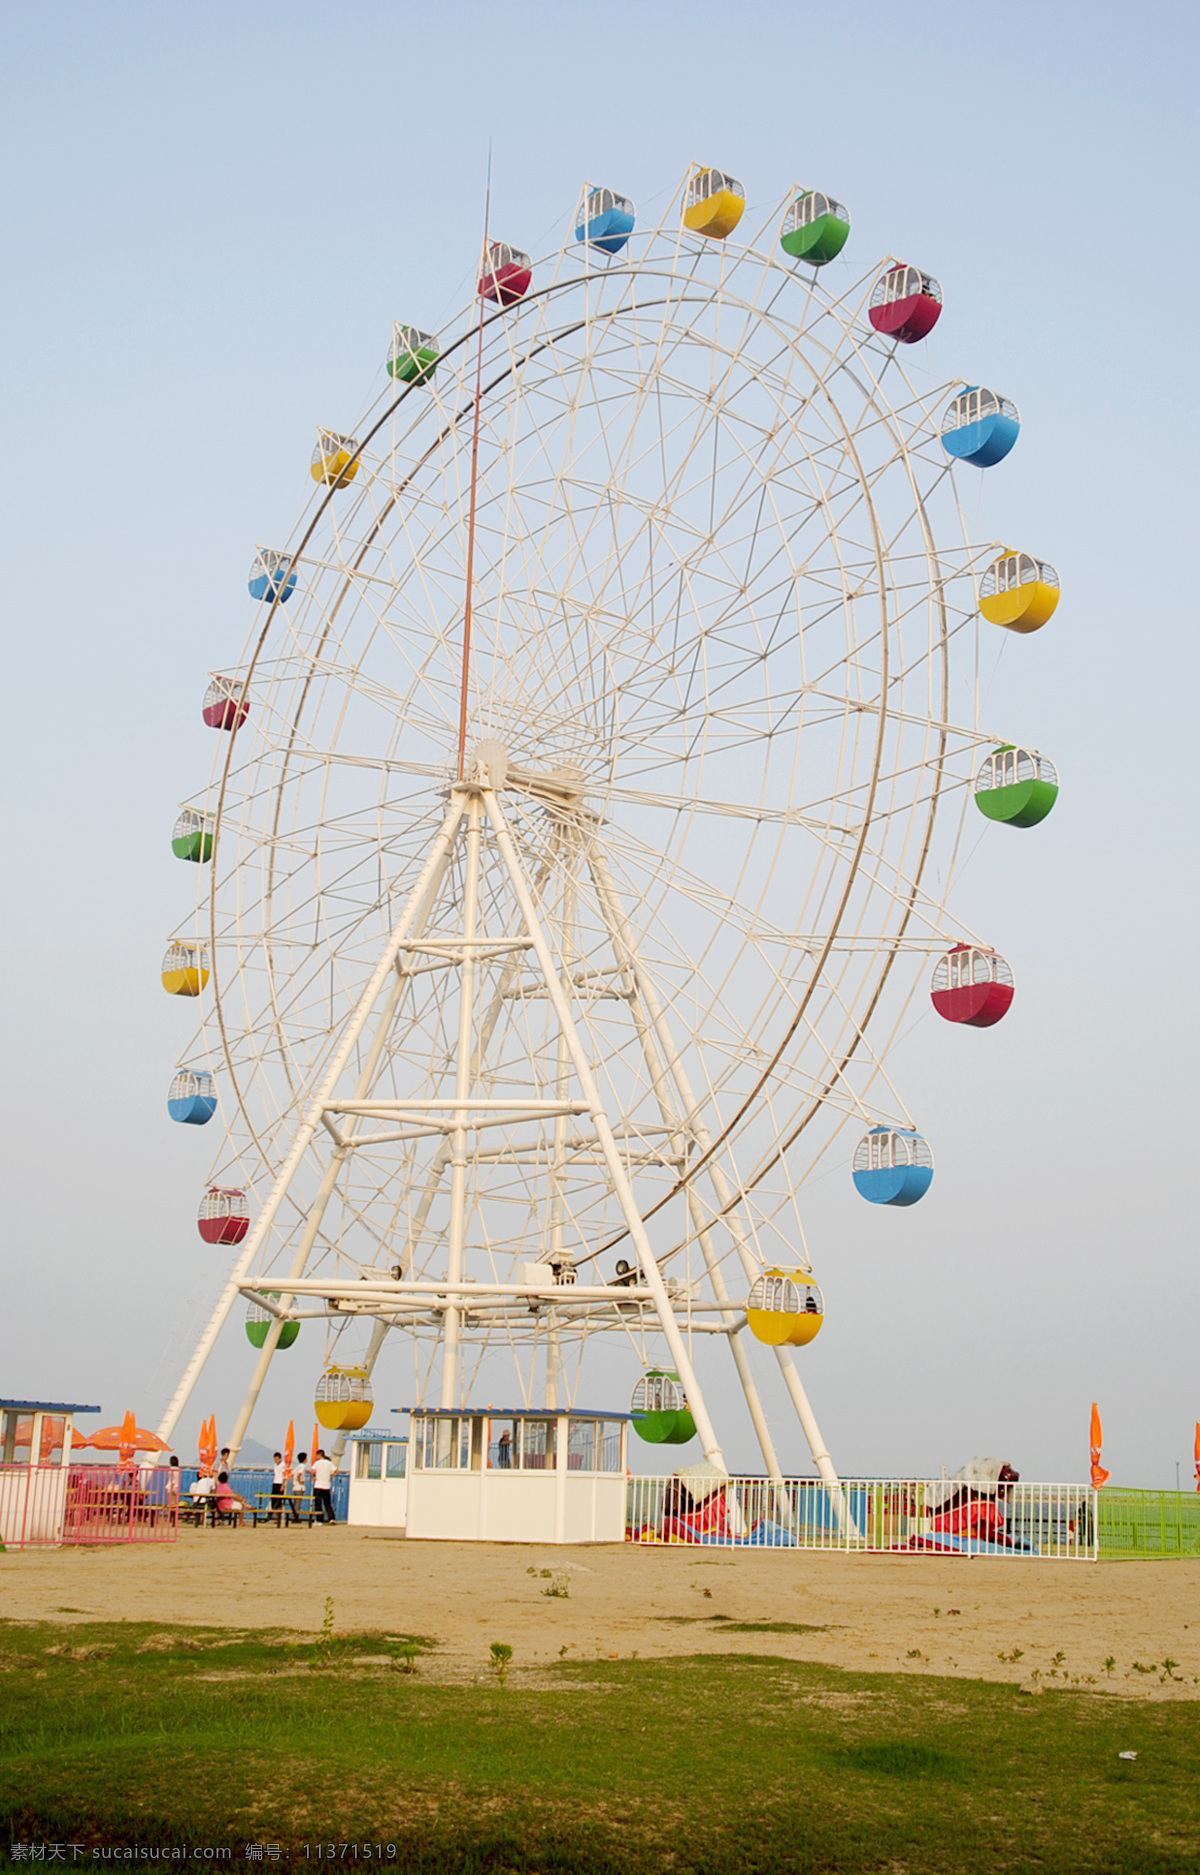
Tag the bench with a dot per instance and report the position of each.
(199, 1511)
(265, 1510)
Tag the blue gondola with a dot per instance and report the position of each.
(271, 576)
(892, 1165)
(192, 1099)
(980, 426)
(605, 220)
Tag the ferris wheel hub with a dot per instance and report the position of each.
(489, 766)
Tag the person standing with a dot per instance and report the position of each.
(323, 1473)
(299, 1484)
(278, 1488)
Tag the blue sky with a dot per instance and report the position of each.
(212, 218)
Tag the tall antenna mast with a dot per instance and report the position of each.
(466, 648)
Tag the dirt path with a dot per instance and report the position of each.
(875, 1613)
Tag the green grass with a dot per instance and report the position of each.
(738, 1765)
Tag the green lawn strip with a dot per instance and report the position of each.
(124, 1734)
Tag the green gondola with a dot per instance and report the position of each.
(659, 1409)
(815, 228)
(192, 837)
(414, 355)
(1017, 786)
(258, 1320)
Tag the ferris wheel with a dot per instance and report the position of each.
(582, 813)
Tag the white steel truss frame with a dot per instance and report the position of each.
(771, 523)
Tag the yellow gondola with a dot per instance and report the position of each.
(335, 459)
(1018, 591)
(343, 1399)
(713, 204)
(184, 969)
(786, 1308)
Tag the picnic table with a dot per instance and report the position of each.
(201, 1510)
(265, 1509)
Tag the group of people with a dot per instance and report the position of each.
(320, 1477)
(289, 1487)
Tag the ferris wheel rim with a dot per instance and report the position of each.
(512, 367)
(671, 692)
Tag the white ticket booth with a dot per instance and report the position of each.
(35, 1458)
(487, 1475)
(378, 1478)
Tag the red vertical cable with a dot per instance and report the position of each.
(466, 651)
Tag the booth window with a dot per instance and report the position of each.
(521, 1445)
(50, 1449)
(594, 1445)
(16, 1431)
(381, 1458)
(444, 1444)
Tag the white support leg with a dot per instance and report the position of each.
(441, 1158)
(669, 1080)
(651, 1274)
(558, 1205)
(415, 909)
(661, 1077)
(299, 1265)
(453, 1313)
(806, 1416)
(366, 1082)
(553, 1361)
(614, 916)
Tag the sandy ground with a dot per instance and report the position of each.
(955, 1616)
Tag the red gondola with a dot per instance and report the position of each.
(906, 304)
(224, 1216)
(505, 275)
(225, 705)
(972, 984)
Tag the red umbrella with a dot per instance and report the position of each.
(1197, 1451)
(1099, 1475)
(289, 1448)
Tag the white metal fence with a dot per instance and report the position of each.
(936, 1516)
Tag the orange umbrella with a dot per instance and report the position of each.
(127, 1439)
(289, 1448)
(208, 1445)
(1099, 1475)
(1197, 1451)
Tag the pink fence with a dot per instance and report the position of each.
(121, 1504)
(41, 1504)
(32, 1498)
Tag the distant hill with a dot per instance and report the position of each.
(252, 1453)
